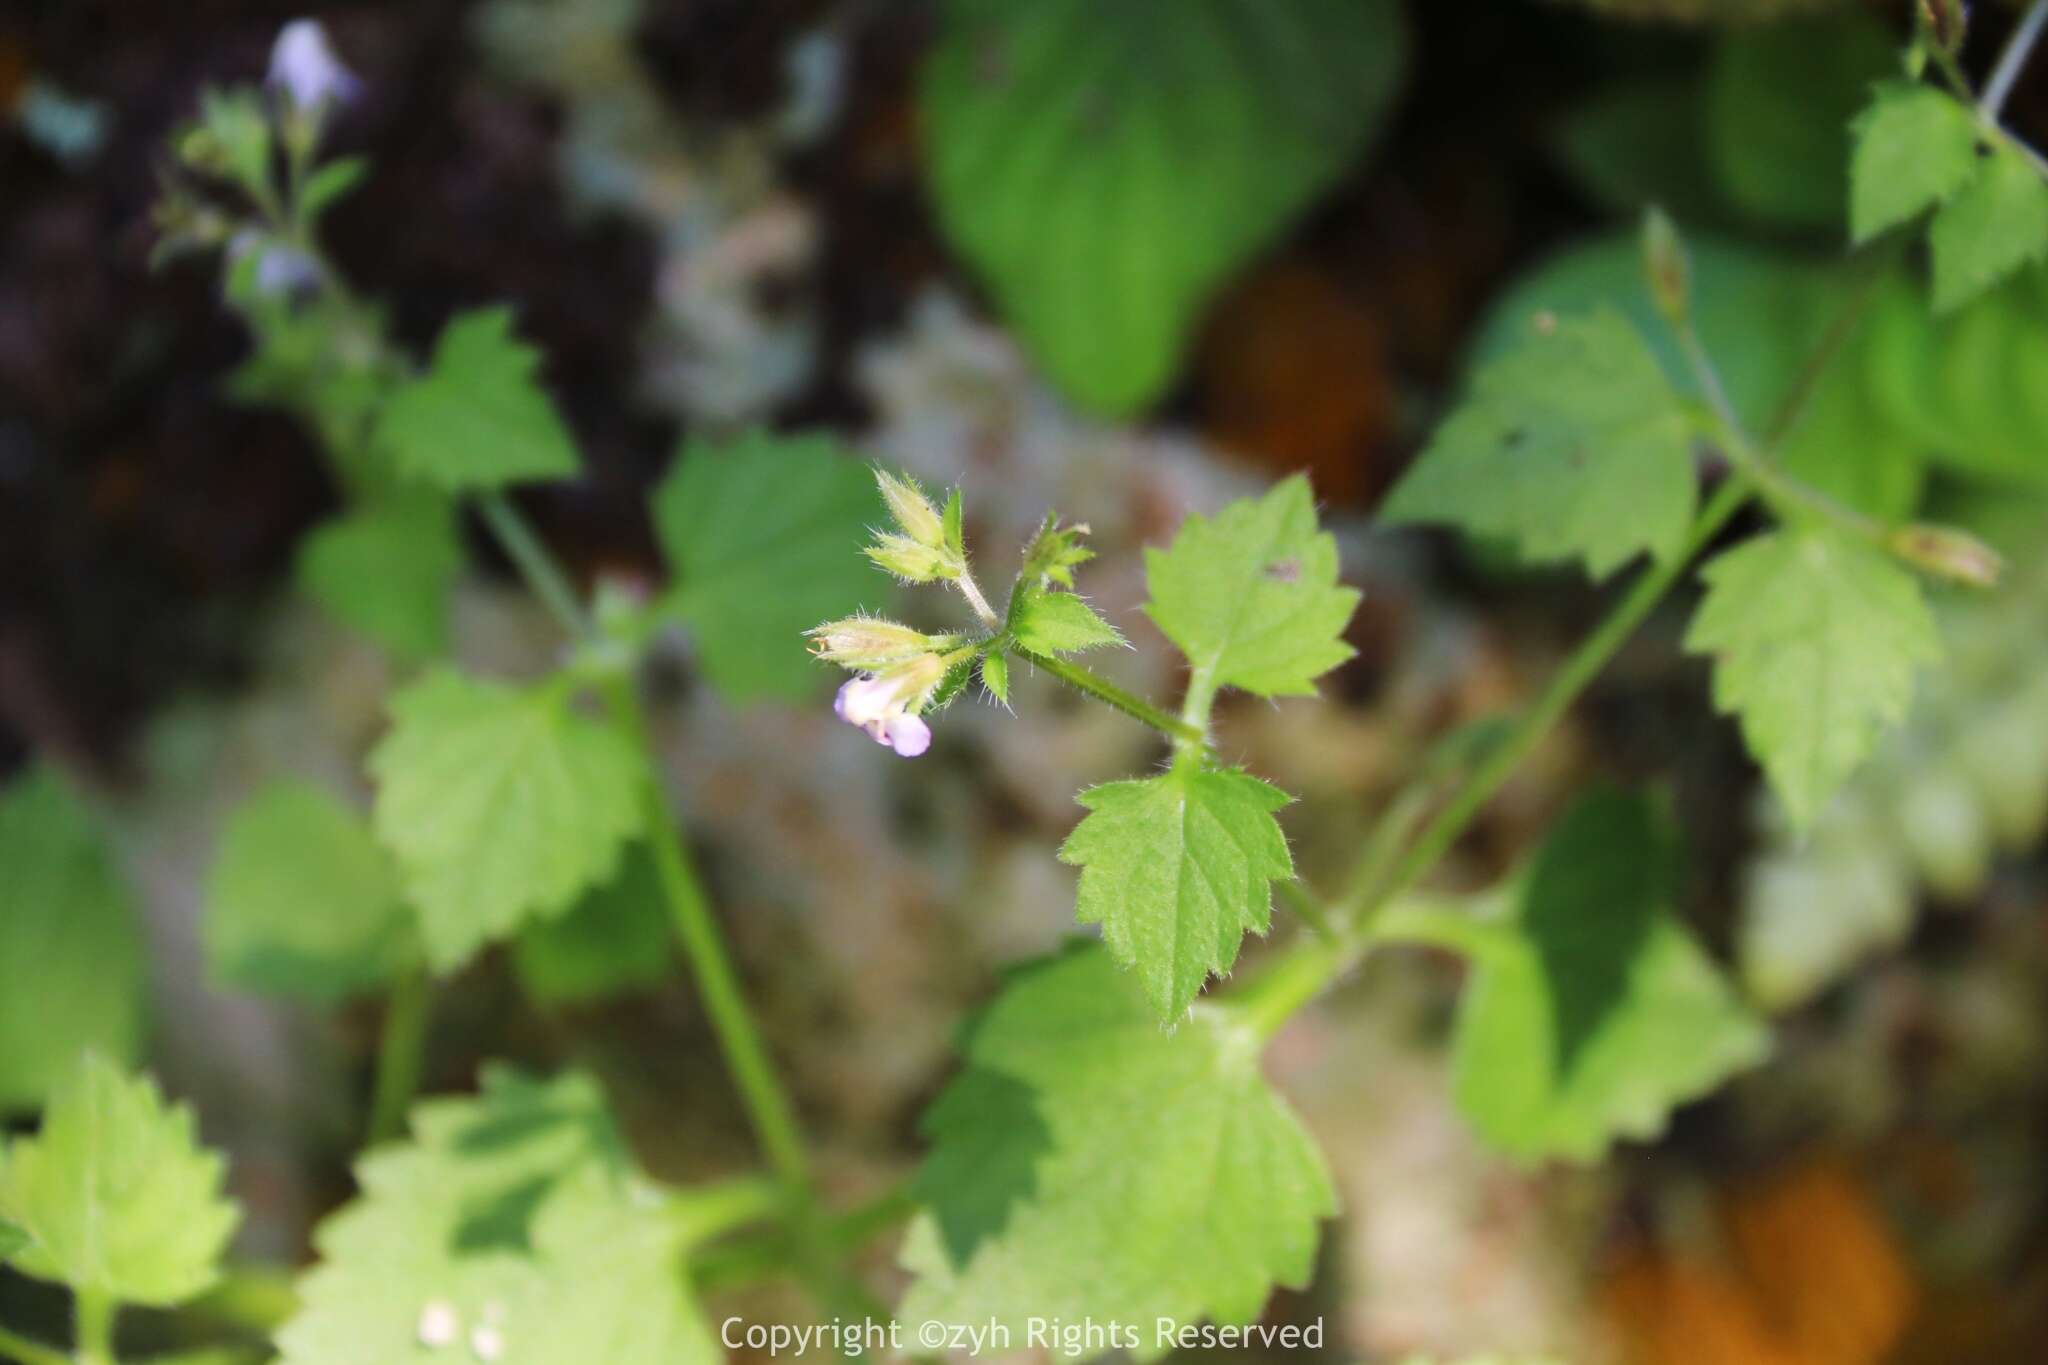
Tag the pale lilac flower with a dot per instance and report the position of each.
(306, 69)
(286, 270)
(881, 705)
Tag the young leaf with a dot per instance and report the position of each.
(995, 675)
(71, 962)
(1177, 869)
(1251, 597)
(1047, 622)
(330, 183)
(1088, 1165)
(614, 941)
(1106, 167)
(1993, 226)
(114, 1196)
(1592, 1012)
(762, 535)
(1915, 146)
(1053, 554)
(1572, 445)
(302, 902)
(511, 1229)
(501, 804)
(476, 420)
(386, 570)
(1816, 636)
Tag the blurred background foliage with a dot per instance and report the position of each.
(712, 213)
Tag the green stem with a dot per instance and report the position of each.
(1103, 690)
(1191, 743)
(95, 1327)
(1571, 679)
(401, 1053)
(30, 1352)
(762, 1256)
(535, 564)
(257, 1299)
(971, 590)
(706, 1212)
(732, 1020)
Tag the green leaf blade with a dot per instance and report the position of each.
(763, 534)
(1592, 1012)
(1816, 637)
(386, 570)
(1989, 229)
(1251, 595)
(614, 941)
(1177, 869)
(477, 421)
(114, 1196)
(1105, 168)
(1087, 1165)
(500, 804)
(1915, 147)
(301, 901)
(71, 953)
(1047, 622)
(1572, 445)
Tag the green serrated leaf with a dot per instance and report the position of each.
(302, 902)
(1053, 554)
(1592, 1012)
(995, 675)
(1251, 596)
(386, 569)
(477, 421)
(1105, 167)
(71, 959)
(1087, 1165)
(763, 534)
(501, 805)
(1043, 621)
(114, 1194)
(515, 1215)
(1177, 869)
(1989, 229)
(1816, 637)
(1572, 446)
(615, 940)
(1915, 146)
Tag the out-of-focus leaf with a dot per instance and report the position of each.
(386, 569)
(615, 940)
(477, 420)
(1104, 167)
(1993, 225)
(1915, 146)
(1644, 142)
(71, 963)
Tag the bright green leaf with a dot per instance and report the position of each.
(502, 805)
(71, 961)
(514, 1214)
(1251, 595)
(1105, 167)
(1047, 622)
(114, 1194)
(1591, 1012)
(476, 420)
(1177, 869)
(302, 902)
(1915, 146)
(1089, 1165)
(763, 534)
(386, 569)
(1993, 226)
(1779, 101)
(1816, 637)
(995, 675)
(330, 183)
(614, 941)
(1572, 445)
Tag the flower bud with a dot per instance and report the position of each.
(1947, 553)
(306, 69)
(1665, 264)
(1946, 22)
(868, 642)
(911, 561)
(912, 511)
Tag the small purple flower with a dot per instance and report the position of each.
(306, 69)
(880, 706)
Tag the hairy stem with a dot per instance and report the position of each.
(30, 1352)
(1107, 692)
(1192, 742)
(401, 1052)
(971, 590)
(2012, 60)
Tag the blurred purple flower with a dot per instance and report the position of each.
(306, 69)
